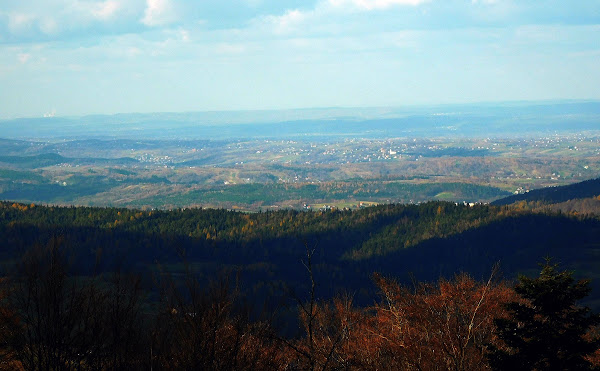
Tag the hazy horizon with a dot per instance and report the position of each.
(377, 111)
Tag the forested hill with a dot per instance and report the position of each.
(585, 189)
(267, 249)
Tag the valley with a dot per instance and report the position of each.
(262, 174)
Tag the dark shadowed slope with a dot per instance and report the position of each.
(585, 189)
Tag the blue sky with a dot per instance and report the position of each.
(76, 57)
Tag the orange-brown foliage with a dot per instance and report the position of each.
(443, 326)
(439, 326)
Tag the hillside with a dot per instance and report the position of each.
(586, 189)
(267, 249)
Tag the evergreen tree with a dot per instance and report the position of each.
(546, 330)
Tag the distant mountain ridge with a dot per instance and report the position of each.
(479, 120)
(585, 189)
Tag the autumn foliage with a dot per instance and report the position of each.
(449, 325)
(443, 326)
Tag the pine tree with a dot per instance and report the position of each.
(546, 329)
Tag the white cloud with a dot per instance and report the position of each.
(184, 35)
(55, 18)
(158, 13)
(133, 51)
(20, 22)
(287, 22)
(373, 4)
(23, 57)
(327, 17)
(176, 35)
(105, 10)
(48, 25)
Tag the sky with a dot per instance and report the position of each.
(79, 57)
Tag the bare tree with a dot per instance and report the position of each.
(327, 328)
(201, 328)
(73, 322)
